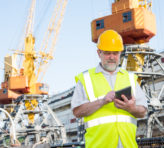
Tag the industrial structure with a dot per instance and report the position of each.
(61, 104)
(27, 117)
(24, 111)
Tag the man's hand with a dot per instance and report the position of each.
(130, 106)
(126, 104)
(109, 97)
(91, 107)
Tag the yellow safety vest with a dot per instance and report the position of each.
(107, 124)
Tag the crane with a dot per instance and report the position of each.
(22, 93)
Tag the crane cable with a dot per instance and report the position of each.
(55, 33)
(42, 15)
(52, 23)
(53, 29)
(47, 36)
(25, 30)
(21, 44)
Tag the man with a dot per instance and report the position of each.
(111, 123)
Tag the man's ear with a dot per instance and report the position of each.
(98, 52)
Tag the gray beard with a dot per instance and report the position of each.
(110, 68)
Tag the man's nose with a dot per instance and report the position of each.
(111, 56)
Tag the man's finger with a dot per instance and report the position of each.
(124, 98)
(117, 101)
(133, 98)
(119, 106)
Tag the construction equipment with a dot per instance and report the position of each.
(23, 95)
(131, 18)
(134, 20)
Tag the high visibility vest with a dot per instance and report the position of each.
(107, 124)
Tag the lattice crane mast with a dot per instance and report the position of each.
(28, 78)
(23, 93)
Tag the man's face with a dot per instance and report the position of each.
(109, 59)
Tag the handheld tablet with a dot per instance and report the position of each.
(126, 91)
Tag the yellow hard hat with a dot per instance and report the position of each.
(110, 40)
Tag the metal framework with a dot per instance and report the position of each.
(46, 125)
(152, 72)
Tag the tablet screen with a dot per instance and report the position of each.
(126, 91)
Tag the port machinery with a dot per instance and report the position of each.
(26, 118)
(134, 20)
(151, 72)
(46, 126)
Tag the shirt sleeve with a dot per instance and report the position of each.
(140, 96)
(79, 97)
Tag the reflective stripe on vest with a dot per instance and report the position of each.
(111, 119)
(89, 87)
